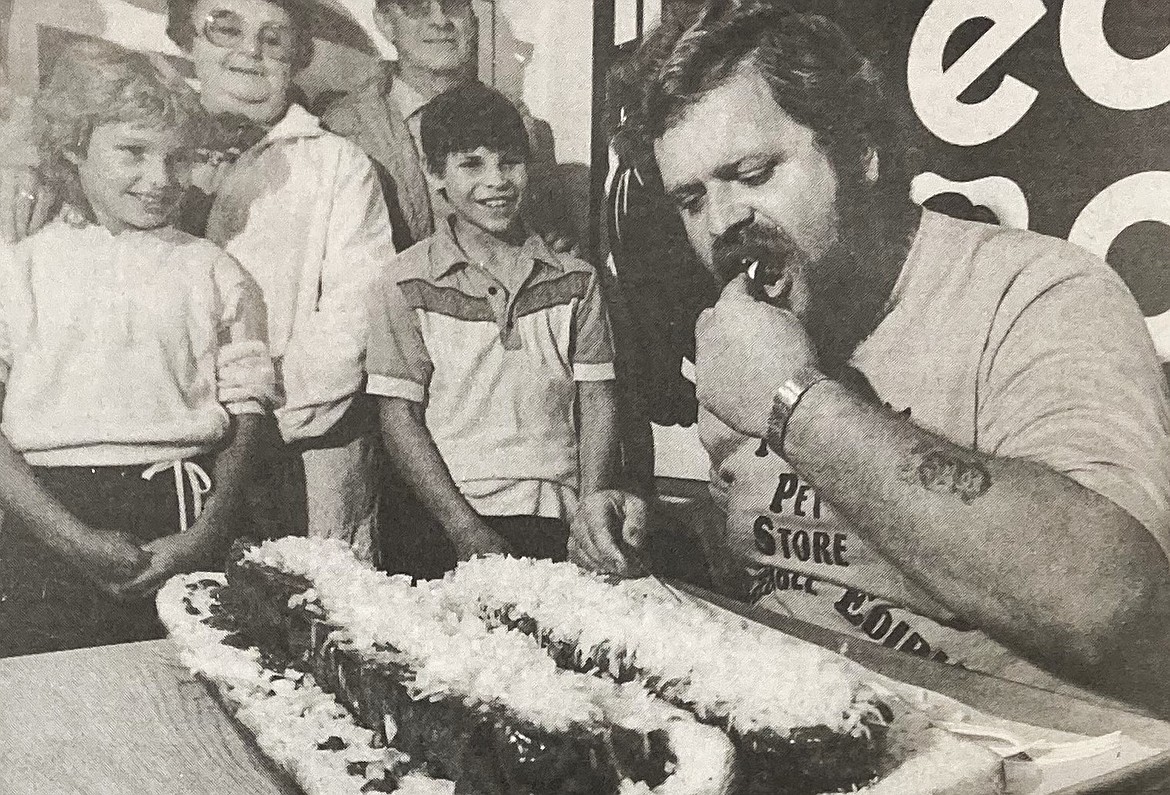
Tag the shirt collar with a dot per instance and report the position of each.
(296, 123)
(447, 257)
(405, 97)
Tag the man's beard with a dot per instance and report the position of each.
(848, 288)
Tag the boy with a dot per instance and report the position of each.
(491, 358)
(112, 327)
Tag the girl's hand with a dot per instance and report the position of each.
(168, 556)
(106, 557)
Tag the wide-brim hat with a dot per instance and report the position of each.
(332, 21)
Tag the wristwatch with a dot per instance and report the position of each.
(784, 402)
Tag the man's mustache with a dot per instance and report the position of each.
(734, 251)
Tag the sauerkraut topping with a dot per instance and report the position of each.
(746, 674)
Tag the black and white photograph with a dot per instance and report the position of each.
(584, 397)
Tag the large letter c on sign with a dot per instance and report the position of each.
(1104, 75)
(1139, 197)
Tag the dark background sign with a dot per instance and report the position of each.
(1053, 116)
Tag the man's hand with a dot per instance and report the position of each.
(25, 202)
(169, 555)
(744, 350)
(606, 524)
(478, 539)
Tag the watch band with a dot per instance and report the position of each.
(785, 401)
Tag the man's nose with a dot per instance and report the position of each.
(253, 45)
(727, 210)
(437, 15)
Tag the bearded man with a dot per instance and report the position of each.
(946, 437)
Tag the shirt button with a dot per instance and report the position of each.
(493, 290)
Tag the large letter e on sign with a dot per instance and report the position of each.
(934, 91)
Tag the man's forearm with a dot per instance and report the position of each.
(1037, 561)
(598, 445)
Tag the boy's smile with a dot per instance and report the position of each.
(133, 176)
(485, 188)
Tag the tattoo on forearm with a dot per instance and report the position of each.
(945, 473)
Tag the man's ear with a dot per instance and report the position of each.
(73, 155)
(872, 166)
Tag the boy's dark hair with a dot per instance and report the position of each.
(181, 27)
(467, 117)
(813, 68)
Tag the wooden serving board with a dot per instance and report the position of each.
(116, 720)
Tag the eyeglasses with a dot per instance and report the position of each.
(227, 29)
(422, 8)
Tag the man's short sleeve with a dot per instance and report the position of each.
(593, 346)
(397, 361)
(1074, 384)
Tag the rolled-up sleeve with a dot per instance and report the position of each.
(593, 340)
(397, 362)
(245, 379)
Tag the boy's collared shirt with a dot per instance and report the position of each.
(494, 360)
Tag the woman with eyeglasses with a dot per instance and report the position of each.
(302, 210)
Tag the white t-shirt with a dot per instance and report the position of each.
(109, 345)
(1002, 341)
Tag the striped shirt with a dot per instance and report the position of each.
(496, 369)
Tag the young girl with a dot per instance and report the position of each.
(111, 325)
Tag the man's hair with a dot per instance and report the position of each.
(815, 72)
(181, 28)
(467, 117)
(94, 83)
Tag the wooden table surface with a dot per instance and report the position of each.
(121, 719)
(131, 719)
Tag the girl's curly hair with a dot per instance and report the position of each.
(94, 83)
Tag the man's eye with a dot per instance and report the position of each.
(757, 175)
(690, 204)
(136, 152)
